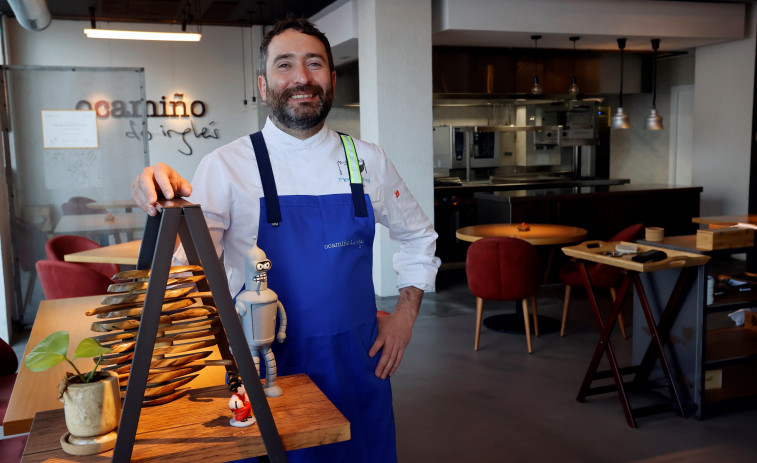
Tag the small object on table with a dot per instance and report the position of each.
(653, 255)
(626, 248)
(655, 234)
(524, 227)
(239, 404)
(110, 218)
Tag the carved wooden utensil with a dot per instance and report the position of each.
(137, 305)
(132, 322)
(122, 298)
(142, 285)
(125, 356)
(158, 375)
(115, 336)
(165, 362)
(133, 274)
(168, 308)
(167, 398)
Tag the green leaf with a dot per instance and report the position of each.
(41, 361)
(48, 353)
(88, 347)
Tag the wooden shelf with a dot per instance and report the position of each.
(738, 381)
(729, 344)
(196, 427)
(733, 300)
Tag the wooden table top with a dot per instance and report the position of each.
(538, 234)
(125, 221)
(123, 254)
(35, 392)
(727, 219)
(675, 258)
(127, 204)
(196, 427)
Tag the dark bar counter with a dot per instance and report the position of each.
(602, 209)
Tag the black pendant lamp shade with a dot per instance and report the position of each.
(536, 88)
(619, 120)
(653, 120)
(573, 89)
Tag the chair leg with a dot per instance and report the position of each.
(621, 320)
(479, 314)
(535, 315)
(565, 306)
(527, 323)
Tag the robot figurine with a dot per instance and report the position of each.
(239, 403)
(257, 307)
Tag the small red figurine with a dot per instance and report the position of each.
(239, 403)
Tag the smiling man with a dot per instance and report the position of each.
(318, 236)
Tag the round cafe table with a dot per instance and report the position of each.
(537, 234)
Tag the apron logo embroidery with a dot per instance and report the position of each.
(396, 193)
(360, 163)
(340, 244)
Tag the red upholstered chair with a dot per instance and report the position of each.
(504, 269)
(68, 279)
(57, 247)
(601, 276)
(11, 448)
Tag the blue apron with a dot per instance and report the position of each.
(321, 249)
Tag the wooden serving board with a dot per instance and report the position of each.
(675, 258)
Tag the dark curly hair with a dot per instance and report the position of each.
(234, 382)
(299, 24)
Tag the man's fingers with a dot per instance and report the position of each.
(166, 179)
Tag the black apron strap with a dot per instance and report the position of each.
(273, 210)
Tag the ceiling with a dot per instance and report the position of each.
(202, 12)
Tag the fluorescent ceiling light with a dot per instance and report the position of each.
(142, 35)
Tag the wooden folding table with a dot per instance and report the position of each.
(597, 251)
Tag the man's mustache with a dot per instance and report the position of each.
(317, 91)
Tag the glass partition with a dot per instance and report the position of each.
(74, 142)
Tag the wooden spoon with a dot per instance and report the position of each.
(132, 274)
(142, 285)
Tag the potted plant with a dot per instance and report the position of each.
(91, 400)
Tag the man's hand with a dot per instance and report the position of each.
(145, 186)
(395, 331)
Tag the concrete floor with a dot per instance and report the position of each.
(501, 404)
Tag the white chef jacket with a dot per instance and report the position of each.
(227, 186)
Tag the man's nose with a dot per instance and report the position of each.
(302, 75)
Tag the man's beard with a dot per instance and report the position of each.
(302, 116)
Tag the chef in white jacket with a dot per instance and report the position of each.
(313, 197)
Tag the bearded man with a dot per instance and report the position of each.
(284, 185)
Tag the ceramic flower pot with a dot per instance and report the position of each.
(92, 409)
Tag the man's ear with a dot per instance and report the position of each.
(262, 87)
(333, 79)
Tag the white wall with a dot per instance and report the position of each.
(723, 102)
(209, 71)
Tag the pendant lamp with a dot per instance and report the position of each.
(619, 120)
(654, 121)
(573, 89)
(244, 73)
(536, 88)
